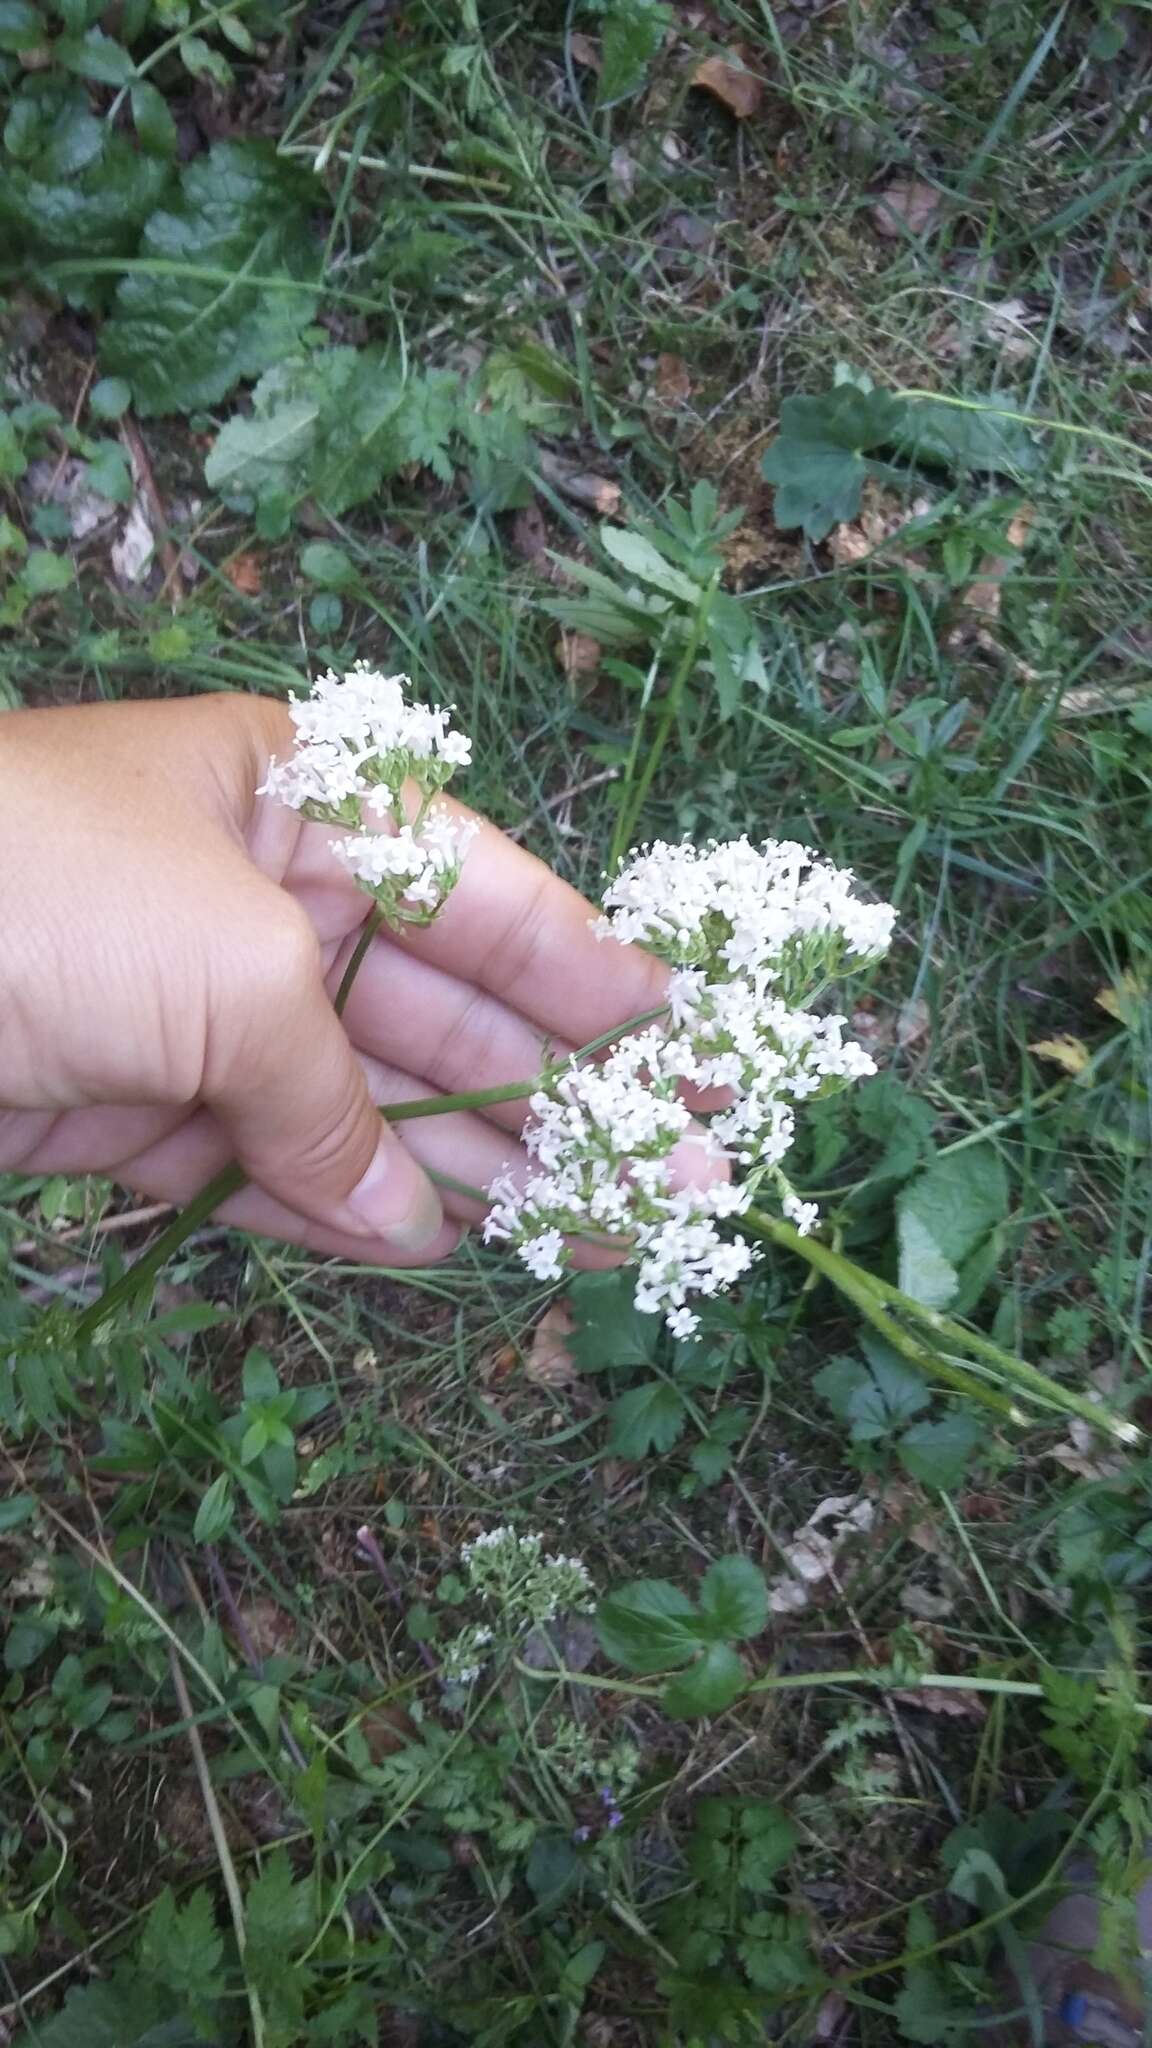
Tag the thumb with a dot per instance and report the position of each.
(283, 1079)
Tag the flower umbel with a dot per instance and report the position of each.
(367, 756)
(753, 934)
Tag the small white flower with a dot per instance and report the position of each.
(805, 1215)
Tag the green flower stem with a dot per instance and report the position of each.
(801, 1681)
(875, 1298)
(232, 1178)
(633, 802)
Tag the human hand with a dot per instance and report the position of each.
(171, 945)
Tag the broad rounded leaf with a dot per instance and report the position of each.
(708, 1686)
(938, 1453)
(109, 398)
(44, 572)
(648, 1626)
(733, 1599)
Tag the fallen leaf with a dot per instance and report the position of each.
(811, 1555)
(549, 1362)
(1070, 1053)
(621, 174)
(244, 574)
(1123, 999)
(937, 1699)
(265, 1630)
(131, 554)
(672, 383)
(385, 1730)
(913, 1021)
(66, 484)
(730, 81)
(924, 1605)
(907, 206)
(585, 50)
(578, 654)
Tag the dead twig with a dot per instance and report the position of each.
(556, 803)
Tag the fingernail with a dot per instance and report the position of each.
(394, 1200)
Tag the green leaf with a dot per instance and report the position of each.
(155, 126)
(943, 1215)
(254, 454)
(643, 559)
(938, 1453)
(21, 26)
(108, 473)
(648, 1626)
(259, 1379)
(647, 1418)
(44, 573)
(708, 1686)
(553, 1868)
(610, 1330)
(817, 462)
(109, 398)
(95, 56)
(123, 2012)
(633, 31)
(957, 438)
(733, 1599)
(234, 281)
(215, 1512)
(27, 1639)
(182, 1947)
(331, 567)
(19, 1507)
(776, 1956)
(73, 185)
(875, 1399)
(768, 1840)
(203, 61)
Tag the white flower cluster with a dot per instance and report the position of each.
(362, 750)
(752, 933)
(523, 1585)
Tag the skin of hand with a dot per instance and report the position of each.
(171, 946)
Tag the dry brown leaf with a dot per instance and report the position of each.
(811, 1555)
(1070, 1053)
(1020, 526)
(268, 1630)
(983, 595)
(578, 654)
(585, 50)
(907, 206)
(244, 573)
(672, 383)
(549, 1362)
(1123, 999)
(385, 1730)
(730, 81)
(937, 1699)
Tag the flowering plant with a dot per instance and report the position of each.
(752, 935)
(365, 757)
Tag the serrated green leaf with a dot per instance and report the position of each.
(44, 573)
(647, 1418)
(215, 1512)
(767, 1841)
(255, 454)
(74, 187)
(733, 1599)
(817, 461)
(610, 1330)
(938, 1453)
(943, 1215)
(234, 280)
(642, 558)
(631, 36)
(708, 1686)
(648, 1626)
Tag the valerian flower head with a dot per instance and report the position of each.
(365, 757)
(753, 935)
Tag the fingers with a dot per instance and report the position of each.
(283, 1081)
(516, 931)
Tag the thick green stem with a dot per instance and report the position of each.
(875, 1298)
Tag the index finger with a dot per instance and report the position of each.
(514, 928)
